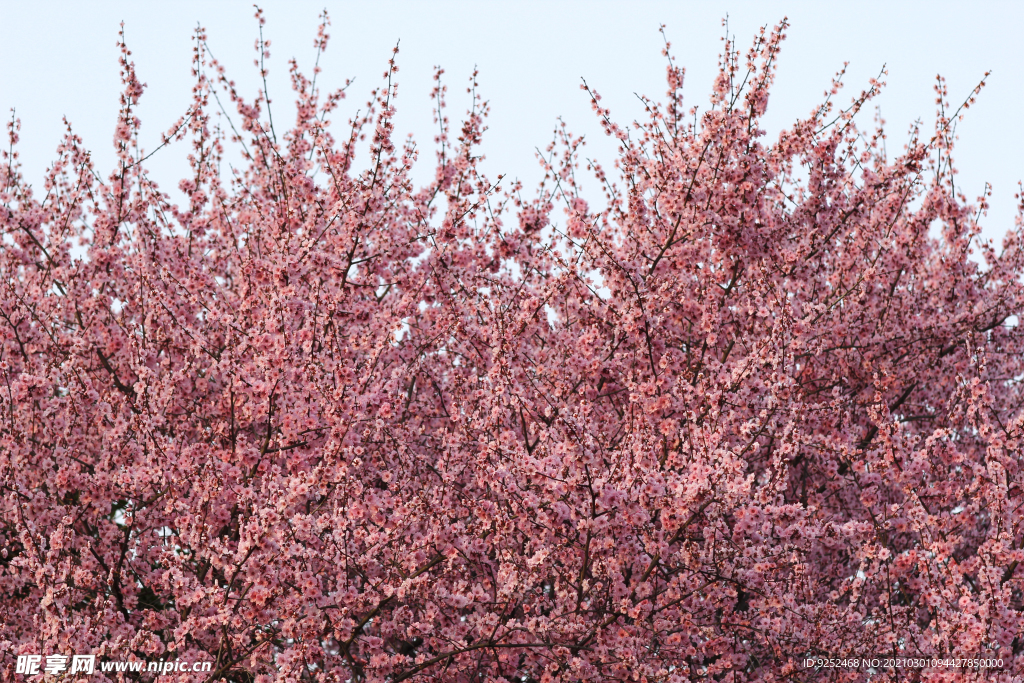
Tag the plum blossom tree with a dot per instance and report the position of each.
(763, 403)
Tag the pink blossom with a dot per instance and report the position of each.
(317, 424)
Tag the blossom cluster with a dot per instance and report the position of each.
(760, 404)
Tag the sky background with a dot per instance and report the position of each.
(61, 60)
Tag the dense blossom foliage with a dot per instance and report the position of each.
(763, 403)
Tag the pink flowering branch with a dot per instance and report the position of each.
(741, 403)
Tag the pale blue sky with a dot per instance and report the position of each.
(61, 59)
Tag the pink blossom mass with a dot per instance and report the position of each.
(754, 406)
